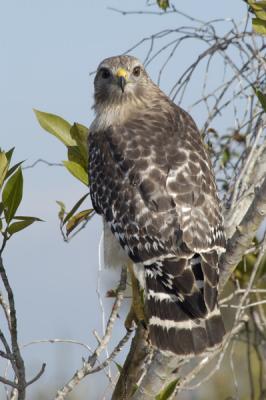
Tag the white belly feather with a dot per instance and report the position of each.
(113, 254)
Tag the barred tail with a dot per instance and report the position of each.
(181, 304)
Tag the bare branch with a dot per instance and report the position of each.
(8, 382)
(6, 309)
(5, 355)
(18, 360)
(37, 376)
(244, 234)
(5, 343)
(114, 353)
(88, 366)
(58, 340)
(42, 161)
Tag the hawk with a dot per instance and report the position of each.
(151, 180)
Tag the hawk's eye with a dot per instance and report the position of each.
(105, 73)
(136, 71)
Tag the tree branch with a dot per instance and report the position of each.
(244, 235)
(255, 174)
(18, 360)
(36, 377)
(8, 382)
(161, 369)
(134, 365)
(103, 342)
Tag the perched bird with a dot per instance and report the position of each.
(152, 182)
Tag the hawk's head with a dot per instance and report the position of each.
(119, 79)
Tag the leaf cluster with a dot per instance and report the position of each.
(11, 194)
(74, 137)
(258, 9)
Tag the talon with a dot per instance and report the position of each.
(132, 328)
(130, 322)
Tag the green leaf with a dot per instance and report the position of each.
(12, 194)
(119, 367)
(135, 388)
(3, 167)
(75, 208)
(262, 98)
(257, 5)
(27, 218)
(1, 208)
(263, 267)
(1, 225)
(80, 134)
(18, 226)
(226, 156)
(261, 14)
(168, 391)
(79, 153)
(13, 169)
(62, 210)
(9, 154)
(77, 171)
(259, 26)
(163, 4)
(74, 154)
(55, 125)
(77, 219)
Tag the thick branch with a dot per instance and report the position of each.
(253, 178)
(244, 235)
(161, 369)
(133, 367)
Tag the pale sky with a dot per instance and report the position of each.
(48, 49)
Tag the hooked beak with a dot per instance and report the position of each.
(122, 77)
(122, 83)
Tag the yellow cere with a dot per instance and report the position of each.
(121, 72)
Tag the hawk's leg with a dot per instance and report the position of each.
(136, 313)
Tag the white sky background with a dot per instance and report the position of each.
(48, 48)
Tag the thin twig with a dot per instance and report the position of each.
(250, 374)
(113, 354)
(89, 364)
(38, 375)
(8, 382)
(42, 161)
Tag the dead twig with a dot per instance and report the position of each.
(103, 342)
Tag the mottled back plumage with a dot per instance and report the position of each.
(152, 181)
